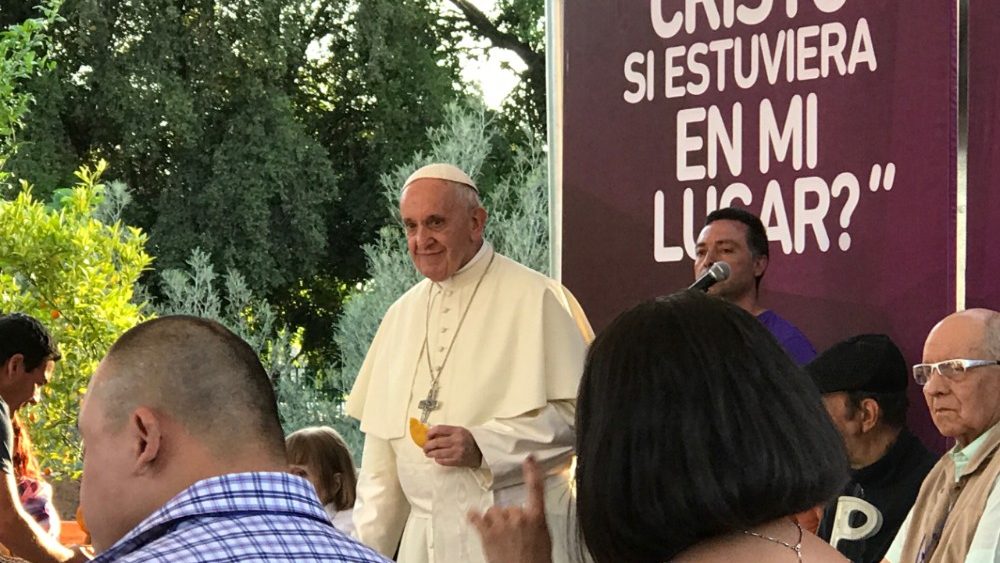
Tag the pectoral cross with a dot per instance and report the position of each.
(430, 403)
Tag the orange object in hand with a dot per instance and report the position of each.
(418, 431)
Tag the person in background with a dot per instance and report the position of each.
(35, 493)
(473, 368)
(737, 237)
(697, 440)
(185, 457)
(319, 454)
(863, 381)
(28, 356)
(956, 517)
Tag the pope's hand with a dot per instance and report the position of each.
(453, 446)
(517, 534)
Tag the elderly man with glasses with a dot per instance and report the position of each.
(957, 514)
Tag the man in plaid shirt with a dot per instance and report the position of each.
(184, 458)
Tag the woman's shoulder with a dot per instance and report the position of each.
(741, 546)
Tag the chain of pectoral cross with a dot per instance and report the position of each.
(431, 403)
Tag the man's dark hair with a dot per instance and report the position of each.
(202, 374)
(756, 233)
(23, 334)
(678, 436)
(892, 405)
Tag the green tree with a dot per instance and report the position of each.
(22, 55)
(255, 131)
(63, 265)
(190, 104)
(382, 73)
(518, 26)
(258, 131)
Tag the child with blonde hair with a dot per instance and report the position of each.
(319, 454)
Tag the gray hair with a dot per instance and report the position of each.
(466, 195)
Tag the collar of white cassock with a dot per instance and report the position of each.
(471, 271)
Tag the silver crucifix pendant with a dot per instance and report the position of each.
(430, 403)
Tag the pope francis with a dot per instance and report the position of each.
(471, 370)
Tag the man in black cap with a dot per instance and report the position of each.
(863, 381)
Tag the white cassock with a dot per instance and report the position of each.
(511, 378)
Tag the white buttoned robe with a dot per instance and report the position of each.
(511, 378)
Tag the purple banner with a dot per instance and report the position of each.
(983, 254)
(834, 120)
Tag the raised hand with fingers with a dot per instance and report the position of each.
(517, 534)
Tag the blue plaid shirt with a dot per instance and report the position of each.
(240, 517)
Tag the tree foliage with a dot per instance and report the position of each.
(384, 72)
(518, 26)
(303, 398)
(269, 135)
(189, 103)
(22, 54)
(63, 265)
(254, 130)
(258, 130)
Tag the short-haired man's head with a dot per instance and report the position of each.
(756, 233)
(729, 236)
(678, 398)
(324, 455)
(199, 373)
(23, 334)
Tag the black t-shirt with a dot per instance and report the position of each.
(6, 441)
(891, 485)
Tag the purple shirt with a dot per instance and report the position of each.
(790, 338)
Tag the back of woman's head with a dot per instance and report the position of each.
(693, 422)
(324, 454)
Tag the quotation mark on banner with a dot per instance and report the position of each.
(886, 179)
(880, 177)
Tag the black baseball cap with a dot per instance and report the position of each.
(867, 362)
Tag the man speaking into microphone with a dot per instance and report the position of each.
(738, 238)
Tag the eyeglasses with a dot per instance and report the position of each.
(949, 369)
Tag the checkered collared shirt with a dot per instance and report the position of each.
(240, 517)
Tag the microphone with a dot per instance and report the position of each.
(717, 272)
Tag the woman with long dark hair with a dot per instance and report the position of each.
(697, 439)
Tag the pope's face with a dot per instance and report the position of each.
(442, 231)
